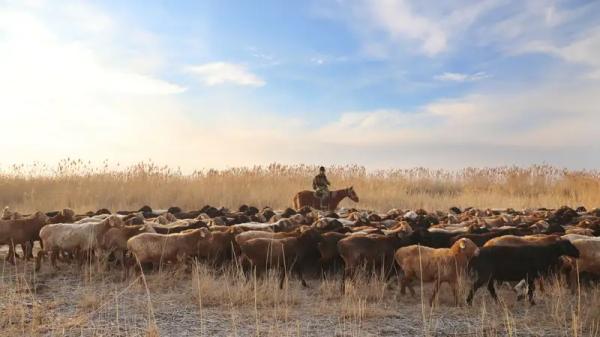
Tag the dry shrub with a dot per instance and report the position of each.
(79, 185)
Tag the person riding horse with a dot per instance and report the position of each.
(321, 186)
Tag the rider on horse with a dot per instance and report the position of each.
(321, 186)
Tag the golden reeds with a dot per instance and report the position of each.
(79, 185)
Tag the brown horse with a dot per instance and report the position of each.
(308, 198)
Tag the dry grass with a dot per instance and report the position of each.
(204, 302)
(83, 187)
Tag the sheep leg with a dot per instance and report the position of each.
(24, 250)
(541, 284)
(454, 287)
(301, 276)
(283, 273)
(11, 257)
(403, 285)
(53, 257)
(573, 280)
(531, 284)
(478, 283)
(492, 289)
(436, 288)
(407, 282)
(38, 260)
(348, 272)
(27, 249)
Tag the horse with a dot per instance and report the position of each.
(308, 198)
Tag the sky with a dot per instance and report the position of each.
(380, 83)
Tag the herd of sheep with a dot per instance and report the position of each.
(490, 246)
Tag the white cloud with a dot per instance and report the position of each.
(387, 27)
(398, 20)
(218, 73)
(460, 77)
(583, 50)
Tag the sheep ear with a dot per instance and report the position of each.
(462, 244)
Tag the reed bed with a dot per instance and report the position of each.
(83, 186)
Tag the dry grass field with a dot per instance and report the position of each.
(206, 302)
(80, 186)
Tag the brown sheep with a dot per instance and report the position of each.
(587, 262)
(67, 215)
(291, 253)
(115, 239)
(513, 240)
(21, 231)
(330, 256)
(374, 250)
(222, 246)
(160, 248)
(255, 234)
(435, 265)
(7, 214)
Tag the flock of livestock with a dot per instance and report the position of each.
(488, 245)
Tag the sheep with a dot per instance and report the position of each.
(222, 246)
(254, 234)
(67, 215)
(514, 263)
(374, 250)
(115, 239)
(330, 256)
(580, 231)
(573, 237)
(74, 238)
(481, 239)
(7, 214)
(587, 262)
(528, 240)
(165, 219)
(435, 265)
(158, 248)
(291, 253)
(177, 226)
(21, 231)
(512, 240)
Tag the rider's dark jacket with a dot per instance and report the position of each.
(320, 182)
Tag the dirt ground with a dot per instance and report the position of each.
(176, 302)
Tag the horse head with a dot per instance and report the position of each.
(352, 194)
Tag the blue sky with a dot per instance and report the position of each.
(382, 83)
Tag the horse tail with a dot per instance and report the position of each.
(297, 201)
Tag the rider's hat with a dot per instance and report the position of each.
(322, 168)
